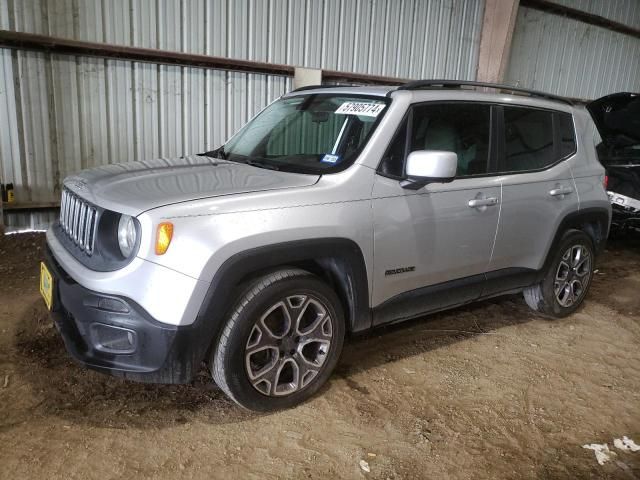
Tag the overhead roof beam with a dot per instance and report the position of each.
(66, 46)
(585, 17)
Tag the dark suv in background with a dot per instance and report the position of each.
(617, 118)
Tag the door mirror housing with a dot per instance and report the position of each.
(429, 166)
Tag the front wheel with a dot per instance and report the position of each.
(567, 279)
(281, 342)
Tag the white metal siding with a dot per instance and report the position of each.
(404, 38)
(567, 57)
(66, 113)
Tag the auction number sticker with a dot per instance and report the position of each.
(360, 108)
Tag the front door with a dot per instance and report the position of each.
(432, 246)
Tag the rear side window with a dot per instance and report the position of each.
(529, 139)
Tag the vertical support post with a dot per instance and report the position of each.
(304, 77)
(1, 218)
(495, 40)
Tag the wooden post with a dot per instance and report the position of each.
(495, 41)
(1, 217)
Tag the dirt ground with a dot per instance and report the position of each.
(486, 391)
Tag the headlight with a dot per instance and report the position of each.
(127, 235)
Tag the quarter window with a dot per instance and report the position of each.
(567, 135)
(392, 163)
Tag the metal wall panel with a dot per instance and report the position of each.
(66, 113)
(406, 38)
(567, 57)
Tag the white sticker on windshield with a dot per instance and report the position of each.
(360, 108)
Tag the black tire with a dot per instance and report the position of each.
(543, 297)
(278, 292)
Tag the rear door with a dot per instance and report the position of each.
(537, 191)
(432, 246)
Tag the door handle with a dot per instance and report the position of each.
(560, 191)
(483, 202)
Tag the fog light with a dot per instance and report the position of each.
(112, 339)
(112, 305)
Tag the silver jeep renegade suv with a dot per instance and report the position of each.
(333, 211)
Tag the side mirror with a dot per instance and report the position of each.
(429, 166)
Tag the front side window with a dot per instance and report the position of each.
(463, 128)
(316, 133)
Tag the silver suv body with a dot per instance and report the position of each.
(349, 187)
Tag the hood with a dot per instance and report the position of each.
(617, 117)
(133, 188)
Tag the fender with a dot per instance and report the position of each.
(582, 220)
(338, 258)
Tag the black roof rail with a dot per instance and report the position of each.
(427, 84)
(313, 87)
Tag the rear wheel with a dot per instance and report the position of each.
(281, 341)
(567, 279)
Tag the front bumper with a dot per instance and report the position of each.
(115, 335)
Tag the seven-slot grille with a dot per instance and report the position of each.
(78, 220)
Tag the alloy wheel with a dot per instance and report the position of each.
(573, 275)
(288, 345)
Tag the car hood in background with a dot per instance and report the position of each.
(617, 117)
(133, 188)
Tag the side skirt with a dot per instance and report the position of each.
(455, 293)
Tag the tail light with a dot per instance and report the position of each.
(605, 182)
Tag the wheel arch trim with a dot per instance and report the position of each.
(583, 220)
(340, 258)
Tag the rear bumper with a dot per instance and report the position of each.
(115, 335)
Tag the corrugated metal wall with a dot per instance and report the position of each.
(559, 55)
(65, 113)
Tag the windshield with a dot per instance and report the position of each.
(316, 133)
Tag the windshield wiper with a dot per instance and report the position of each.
(259, 164)
(217, 153)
